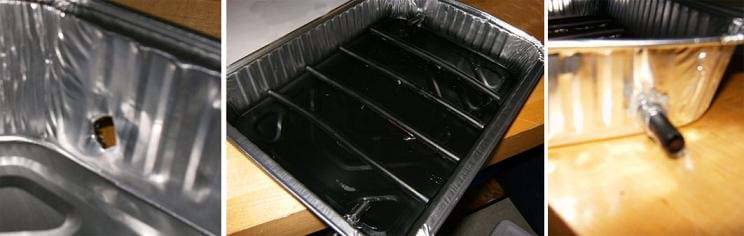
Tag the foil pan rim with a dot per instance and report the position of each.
(736, 39)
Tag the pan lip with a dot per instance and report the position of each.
(554, 45)
(187, 45)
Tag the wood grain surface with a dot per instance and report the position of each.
(629, 186)
(256, 205)
(263, 207)
(200, 15)
(527, 130)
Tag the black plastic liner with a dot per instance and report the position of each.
(372, 136)
(585, 27)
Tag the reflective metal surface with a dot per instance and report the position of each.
(87, 203)
(66, 64)
(305, 87)
(595, 85)
(590, 92)
(569, 8)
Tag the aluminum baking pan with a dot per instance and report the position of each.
(378, 115)
(109, 122)
(669, 57)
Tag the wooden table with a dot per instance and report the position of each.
(256, 205)
(628, 186)
(200, 15)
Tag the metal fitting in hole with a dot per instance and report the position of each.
(658, 126)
